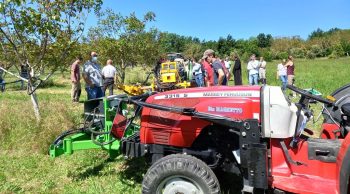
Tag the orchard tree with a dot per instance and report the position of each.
(193, 50)
(125, 40)
(41, 35)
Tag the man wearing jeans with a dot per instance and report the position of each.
(93, 77)
(198, 74)
(2, 81)
(253, 70)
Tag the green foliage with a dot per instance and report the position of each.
(267, 54)
(318, 33)
(297, 52)
(125, 40)
(194, 50)
(264, 40)
(337, 51)
(42, 33)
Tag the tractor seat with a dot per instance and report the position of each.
(346, 109)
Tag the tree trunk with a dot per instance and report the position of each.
(33, 96)
(122, 79)
(35, 105)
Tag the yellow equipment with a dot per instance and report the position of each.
(169, 78)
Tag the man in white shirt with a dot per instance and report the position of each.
(262, 70)
(282, 74)
(227, 63)
(253, 70)
(108, 73)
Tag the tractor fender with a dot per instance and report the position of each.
(344, 167)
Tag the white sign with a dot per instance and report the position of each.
(220, 94)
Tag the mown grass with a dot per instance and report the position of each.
(25, 166)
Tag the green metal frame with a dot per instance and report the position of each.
(82, 141)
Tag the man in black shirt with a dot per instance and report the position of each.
(237, 71)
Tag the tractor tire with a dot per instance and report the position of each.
(180, 173)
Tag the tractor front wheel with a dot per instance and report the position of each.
(179, 173)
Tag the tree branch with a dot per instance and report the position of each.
(24, 79)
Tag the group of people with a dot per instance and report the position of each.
(285, 72)
(97, 80)
(212, 71)
(256, 70)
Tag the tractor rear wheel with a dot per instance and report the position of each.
(179, 173)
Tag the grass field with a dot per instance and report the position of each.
(25, 166)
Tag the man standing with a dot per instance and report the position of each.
(227, 63)
(290, 72)
(108, 73)
(208, 73)
(198, 74)
(2, 81)
(262, 70)
(24, 74)
(93, 77)
(219, 75)
(75, 78)
(252, 68)
(237, 71)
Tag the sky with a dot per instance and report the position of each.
(210, 20)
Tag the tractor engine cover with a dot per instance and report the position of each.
(167, 128)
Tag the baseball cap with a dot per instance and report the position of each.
(207, 52)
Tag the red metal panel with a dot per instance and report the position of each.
(327, 131)
(161, 127)
(314, 177)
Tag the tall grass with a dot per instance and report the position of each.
(25, 166)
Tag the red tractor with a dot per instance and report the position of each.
(252, 131)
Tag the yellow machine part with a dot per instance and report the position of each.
(184, 84)
(169, 72)
(132, 89)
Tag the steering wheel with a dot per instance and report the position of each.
(308, 95)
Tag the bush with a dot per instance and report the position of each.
(297, 52)
(282, 55)
(310, 55)
(337, 51)
(267, 54)
(317, 51)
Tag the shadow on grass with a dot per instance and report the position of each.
(91, 171)
(134, 169)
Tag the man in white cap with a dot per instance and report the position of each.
(219, 75)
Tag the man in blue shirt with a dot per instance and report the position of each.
(93, 77)
(219, 75)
